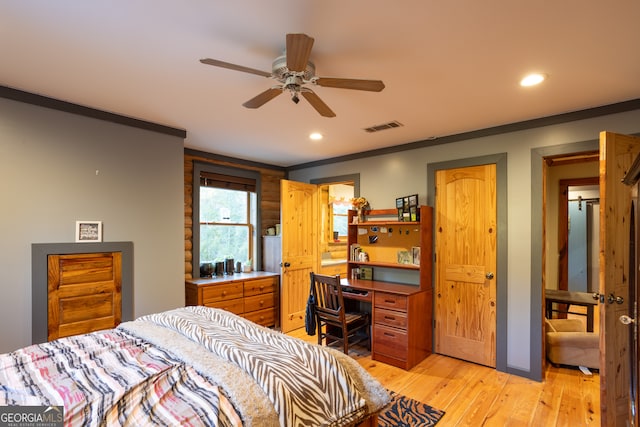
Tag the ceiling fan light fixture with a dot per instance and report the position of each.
(533, 79)
(316, 136)
(293, 71)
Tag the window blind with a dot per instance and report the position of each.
(229, 182)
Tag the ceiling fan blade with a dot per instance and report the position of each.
(263, 98)
(318, 104)
(370, 85)
(298, 51)
(235, 67)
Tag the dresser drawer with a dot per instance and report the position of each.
(260, 286)
(392, 301)
(396, 319)
(233, 305)
(390, 342)
(265, 317)
(259, 302)
(215, 293)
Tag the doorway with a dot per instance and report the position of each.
(335, 194)
(570, 211)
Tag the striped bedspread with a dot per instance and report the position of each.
(190, 366)
(111, 378)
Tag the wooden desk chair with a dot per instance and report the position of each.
(339, 326)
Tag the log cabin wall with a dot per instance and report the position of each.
(269, 202)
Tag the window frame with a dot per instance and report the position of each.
(198, 168)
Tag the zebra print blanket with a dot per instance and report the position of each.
(191, 366)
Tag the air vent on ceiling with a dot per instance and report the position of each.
(389, 125)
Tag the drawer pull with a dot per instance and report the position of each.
(389, 317)
(224, 293)
(389, 335)
(390, 301)
(262, 288)
(261, 303)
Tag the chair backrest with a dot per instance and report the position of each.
(328, 295)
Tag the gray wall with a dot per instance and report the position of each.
(56, 168)
(385, 177)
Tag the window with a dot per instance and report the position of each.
(225, 224)
(225, 214)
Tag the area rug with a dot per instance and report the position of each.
(406, 412)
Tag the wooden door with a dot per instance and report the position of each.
(299, 229)
(617, 153)
(84, 293)
(465, 283)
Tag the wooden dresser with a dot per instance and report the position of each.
(253, 296)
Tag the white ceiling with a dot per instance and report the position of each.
(448, 66)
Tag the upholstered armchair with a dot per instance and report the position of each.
(567, 343)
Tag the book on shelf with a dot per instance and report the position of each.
(354, 254)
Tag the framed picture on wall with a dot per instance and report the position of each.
(88, 231)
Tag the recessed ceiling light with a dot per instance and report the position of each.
(533, 79)
(316, 136)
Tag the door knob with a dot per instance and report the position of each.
(489, 275)
(626, 320)
(286, 264)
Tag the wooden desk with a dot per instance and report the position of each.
(570, 298)
(400, 320)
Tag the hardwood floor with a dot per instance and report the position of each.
(474, 395)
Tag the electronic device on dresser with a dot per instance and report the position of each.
(401, 312)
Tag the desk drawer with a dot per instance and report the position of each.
(390, 342)
(221, 292)
(260, 286)
(396, 319)
(234, 305)
(392, 301)
(259, 302)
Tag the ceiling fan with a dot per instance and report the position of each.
(294, 71)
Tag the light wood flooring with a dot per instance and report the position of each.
(474, 395)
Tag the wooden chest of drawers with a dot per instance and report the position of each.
(253, 296)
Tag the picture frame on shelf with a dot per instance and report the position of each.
(366, 273)
(88, 231)
(404, 257)
(415, 255)
(408, 208)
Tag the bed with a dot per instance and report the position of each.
(191, 366)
